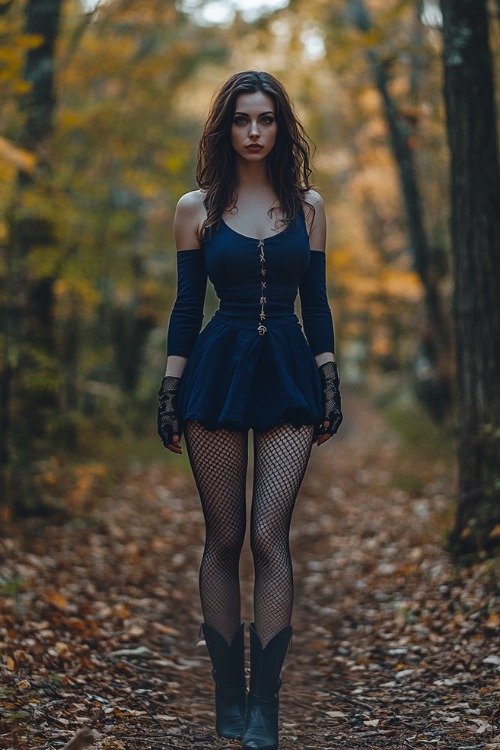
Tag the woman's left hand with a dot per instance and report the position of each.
(169, 423)
(332, 405)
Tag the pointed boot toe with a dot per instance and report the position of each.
(261, 732)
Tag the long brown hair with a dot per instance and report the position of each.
(287, 164)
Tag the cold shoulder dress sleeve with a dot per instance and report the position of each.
(252, 367)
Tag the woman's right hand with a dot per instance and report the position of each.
(169, 428)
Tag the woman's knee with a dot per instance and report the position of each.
(225, 546)
(269, 550)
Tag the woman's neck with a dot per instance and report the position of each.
(253, 175)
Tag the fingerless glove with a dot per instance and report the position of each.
(332, 405)
(169, 423)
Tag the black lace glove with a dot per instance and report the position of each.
(168, 411)
(330, 380)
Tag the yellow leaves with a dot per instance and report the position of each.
(401, 284)
(142, 183)
(20, 86)
(44, 375)
(25, 42)
(16, 157)
(44, 261)
(70, 119)
(12, 53)
(174, 163)
(75, 295)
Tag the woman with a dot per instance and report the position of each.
(258, 230)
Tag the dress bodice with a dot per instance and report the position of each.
(255, 280)
(252, 365)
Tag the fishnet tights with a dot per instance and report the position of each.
(219, 463)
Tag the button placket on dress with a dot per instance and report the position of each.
(261, 328)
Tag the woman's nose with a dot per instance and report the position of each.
(254, 128)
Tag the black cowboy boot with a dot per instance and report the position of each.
(261, 722)
(229, 677)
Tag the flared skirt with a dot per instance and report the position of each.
(238, 380)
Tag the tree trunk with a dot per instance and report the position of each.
(436, 337)
(29, 371)
(475, 230)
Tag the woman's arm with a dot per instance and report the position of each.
(317, 317)
(187, 314)
(316, 314)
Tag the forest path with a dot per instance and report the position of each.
(392, 648)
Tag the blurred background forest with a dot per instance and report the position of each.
(93, 161)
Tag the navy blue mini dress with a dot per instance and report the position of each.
(251, 367)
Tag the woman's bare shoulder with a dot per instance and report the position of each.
(314, 210)
(189, 217)
(313, 198)
(192, 202)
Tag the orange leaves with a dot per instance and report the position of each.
(57, 600)
(493, 622)
(85, 477)
(76, 483)
(394, 647)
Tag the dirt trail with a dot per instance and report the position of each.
(392, 648)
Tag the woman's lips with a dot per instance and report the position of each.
(254, 147)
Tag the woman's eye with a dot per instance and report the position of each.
(267, 120)
(239, 120)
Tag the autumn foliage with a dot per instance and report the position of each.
(87, 266)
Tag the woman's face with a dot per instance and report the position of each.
(254, 128)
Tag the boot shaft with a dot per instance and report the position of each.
(228, 659)
(229, 677)
(266, 663)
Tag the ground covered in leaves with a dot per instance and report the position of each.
(394, 646)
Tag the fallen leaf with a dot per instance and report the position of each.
(492, 659)
(141, 652)
(336, 714)
(85, 737)
(166, 717)
(493, 622)
(482, 725)
(110, 743)
(57, 600)
(166, 630)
